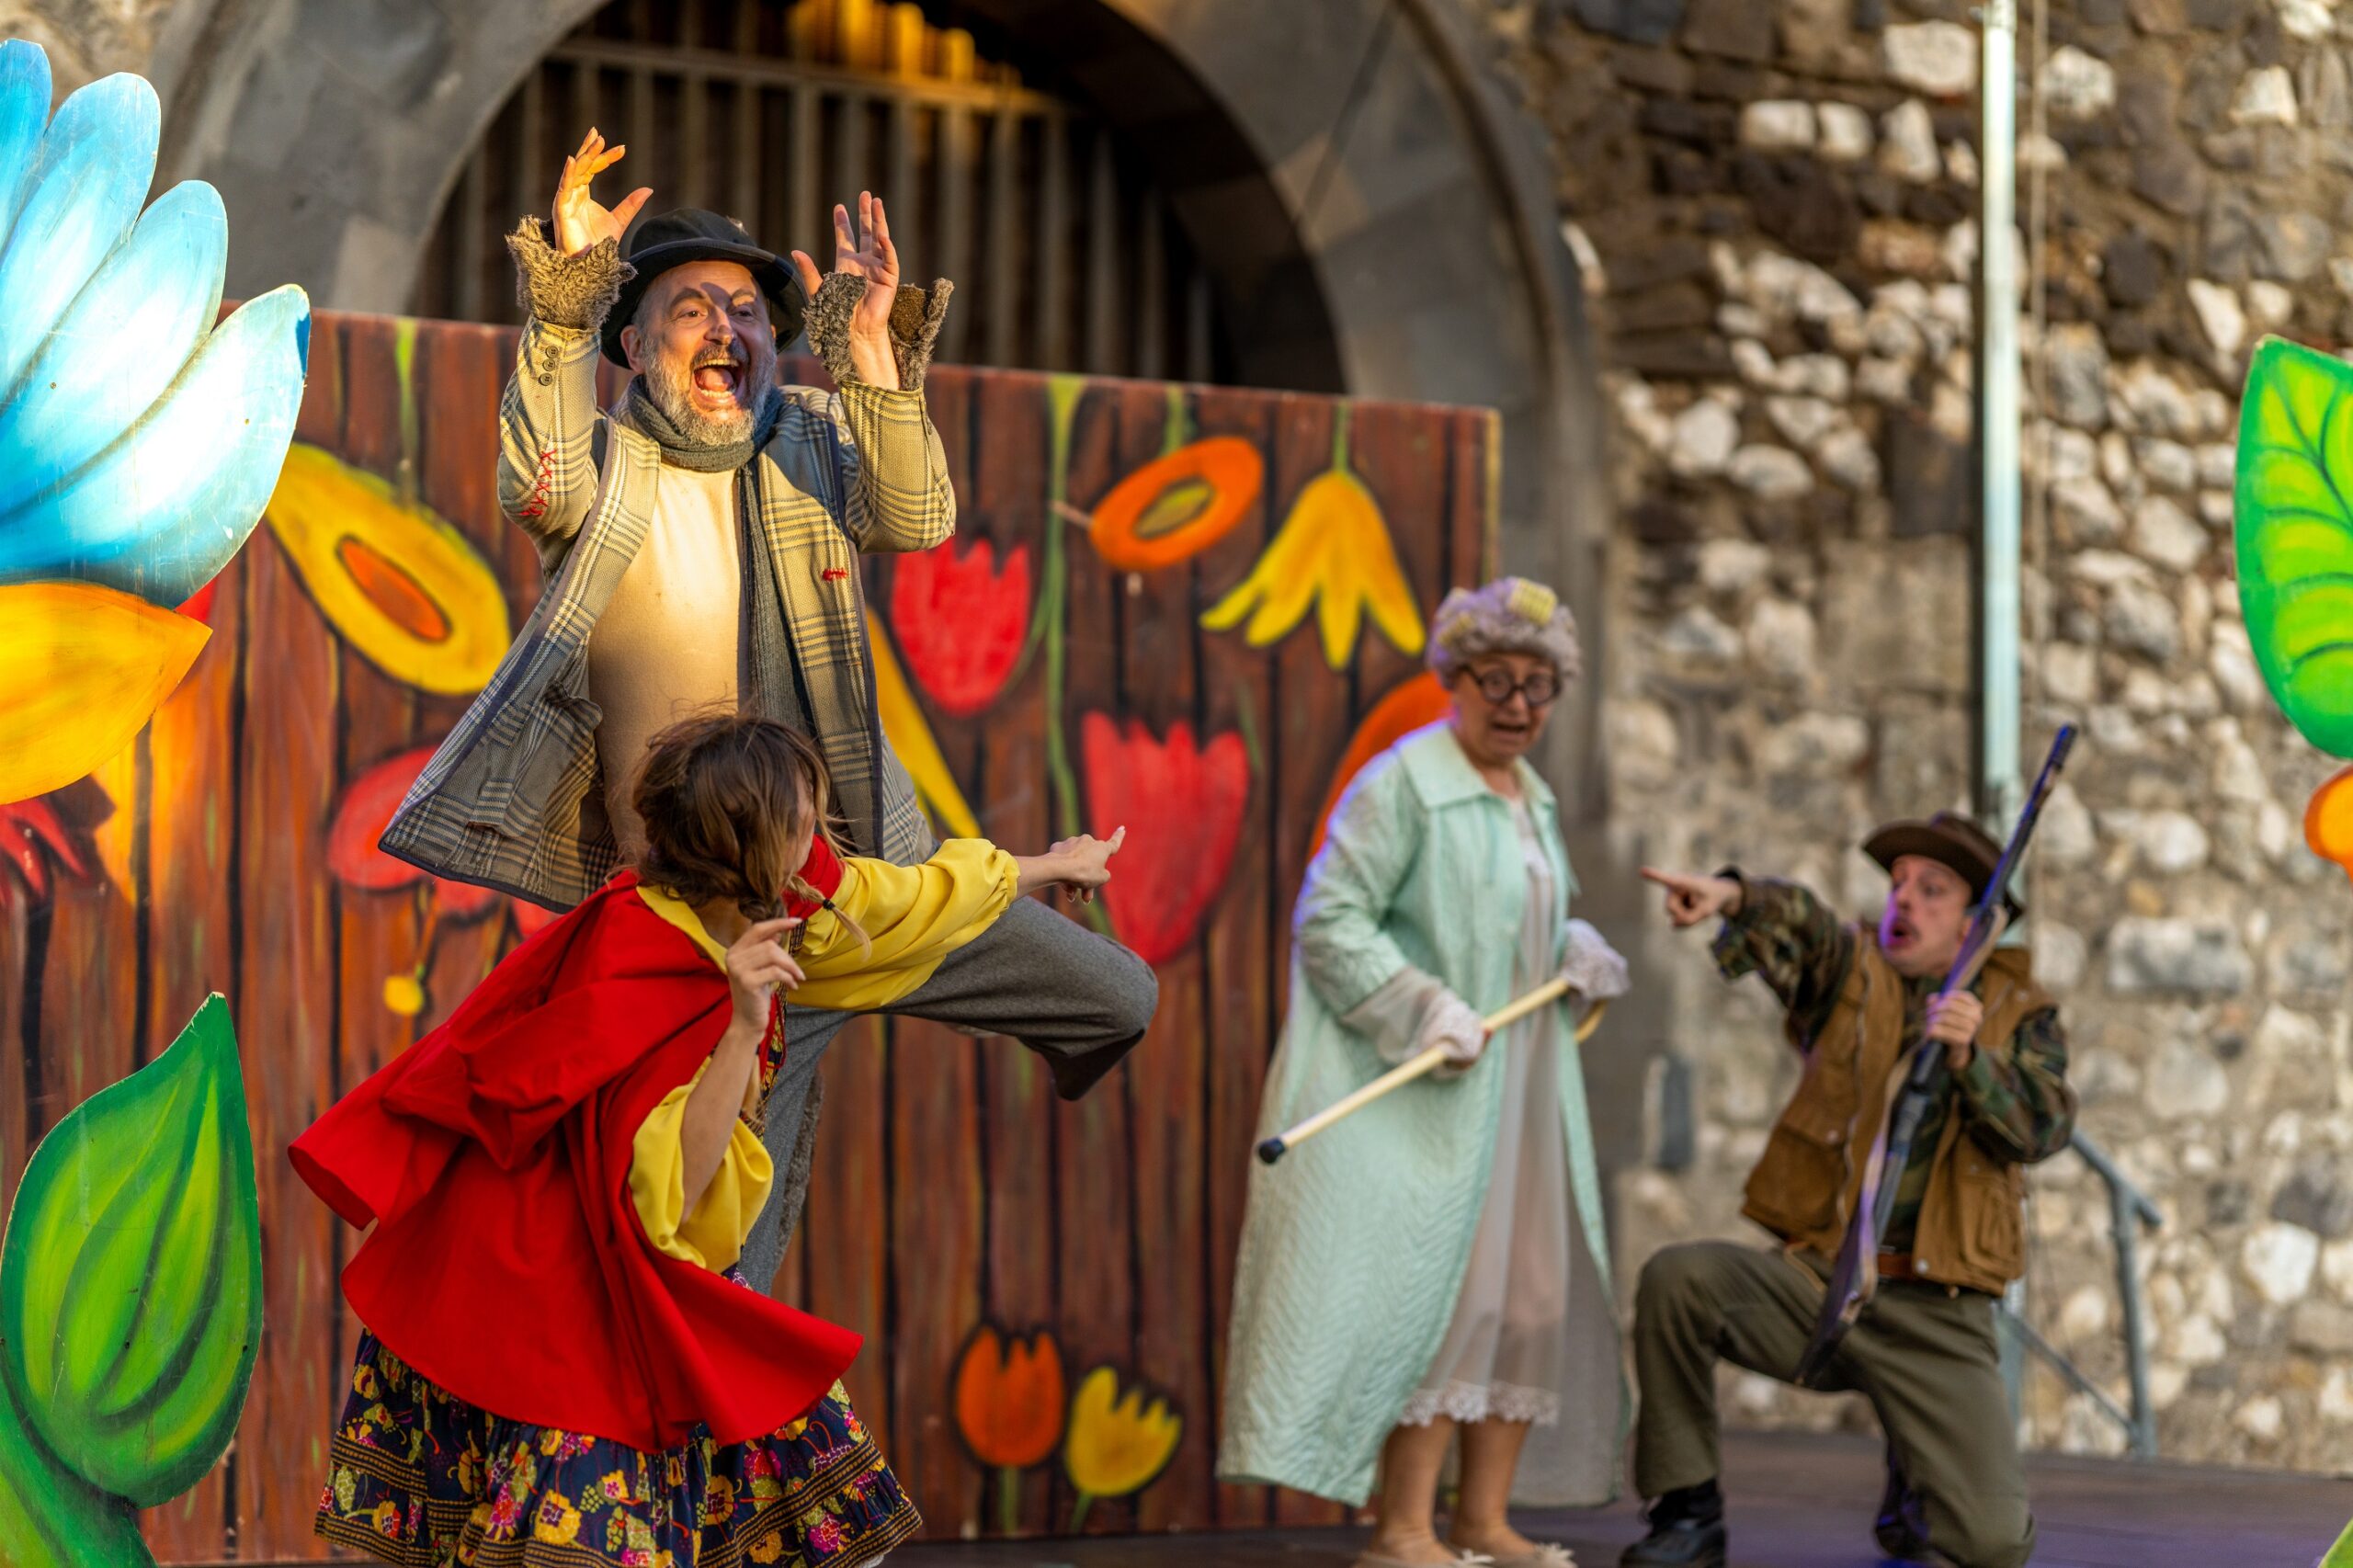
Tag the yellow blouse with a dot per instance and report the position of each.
(711, 1235)
(913, 917)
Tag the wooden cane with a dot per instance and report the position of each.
(1421, 1066)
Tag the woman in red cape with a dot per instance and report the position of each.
(562, 1364)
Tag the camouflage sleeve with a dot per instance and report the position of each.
(1785, 936)
(2016, 1100)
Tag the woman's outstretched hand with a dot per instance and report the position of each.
(1081, 864)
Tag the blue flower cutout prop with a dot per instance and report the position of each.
(138, 442)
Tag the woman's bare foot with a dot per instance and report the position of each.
(1499, 1541)
(1421, 1548)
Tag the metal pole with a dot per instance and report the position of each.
(1998, 418)
(2136, 1333)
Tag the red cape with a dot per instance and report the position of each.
(508, 1265)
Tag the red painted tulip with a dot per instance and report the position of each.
(31, 837)
(361, 818)
(961, 622)
(1182, 807)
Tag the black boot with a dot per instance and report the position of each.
(1687, 1531)
(1902, 1523)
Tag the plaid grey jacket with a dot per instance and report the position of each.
(513, 798)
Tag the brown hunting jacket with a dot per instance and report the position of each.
(1958, 1217)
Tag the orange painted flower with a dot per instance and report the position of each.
(1009, 1398)
(395, 581)
(1117, 1443)
(1421, 701)
(1177, 504)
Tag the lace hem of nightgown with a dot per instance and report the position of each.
(1482, 1401)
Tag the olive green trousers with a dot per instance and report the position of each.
(1924, 1355)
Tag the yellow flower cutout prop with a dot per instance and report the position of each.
(1116, 1444)
(1333, 550)
(82, 670)
(395, 581)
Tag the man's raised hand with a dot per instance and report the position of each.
(581, 222)
(863, 249)
(1690, 899)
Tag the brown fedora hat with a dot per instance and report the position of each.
(1950, 840)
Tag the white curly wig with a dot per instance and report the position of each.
(1510, 615)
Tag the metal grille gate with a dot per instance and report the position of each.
(1063, 254)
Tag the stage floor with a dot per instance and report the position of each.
(1804, 1502)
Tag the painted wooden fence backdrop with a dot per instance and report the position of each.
(954, 1197)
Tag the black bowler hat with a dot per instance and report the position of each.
(1950, 840)
(674, 239)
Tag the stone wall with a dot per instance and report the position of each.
(86, 38)
(1775, 204)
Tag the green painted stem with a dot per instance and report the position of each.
(1340, 438)
(1062, 396)
(51, 1518)
(1009, 1500)
(1078, 1514)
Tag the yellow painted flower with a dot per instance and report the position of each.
(910, 736)
(1334, 551)
(1116, 1443)
(82, 670)
(768, 1548)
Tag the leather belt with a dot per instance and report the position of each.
(1898, 1266)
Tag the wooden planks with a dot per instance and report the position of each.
(951, 1188)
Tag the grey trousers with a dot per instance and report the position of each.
(1079, 1000)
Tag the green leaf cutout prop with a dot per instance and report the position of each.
(2341, 1554)
(2296, 535)
(129, 1305)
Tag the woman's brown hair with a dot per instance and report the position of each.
(725, 800)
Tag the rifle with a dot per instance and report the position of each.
(1855, 1275)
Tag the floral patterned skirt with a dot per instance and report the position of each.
(420, 1478)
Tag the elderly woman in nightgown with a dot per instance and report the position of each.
(1431, 1273)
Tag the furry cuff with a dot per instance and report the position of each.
(565, 291)
(916, 317)
(1595, 970)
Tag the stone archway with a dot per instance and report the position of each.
(1376, 210)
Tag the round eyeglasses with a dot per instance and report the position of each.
(1498, 687)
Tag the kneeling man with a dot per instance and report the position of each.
(1923, 1352)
